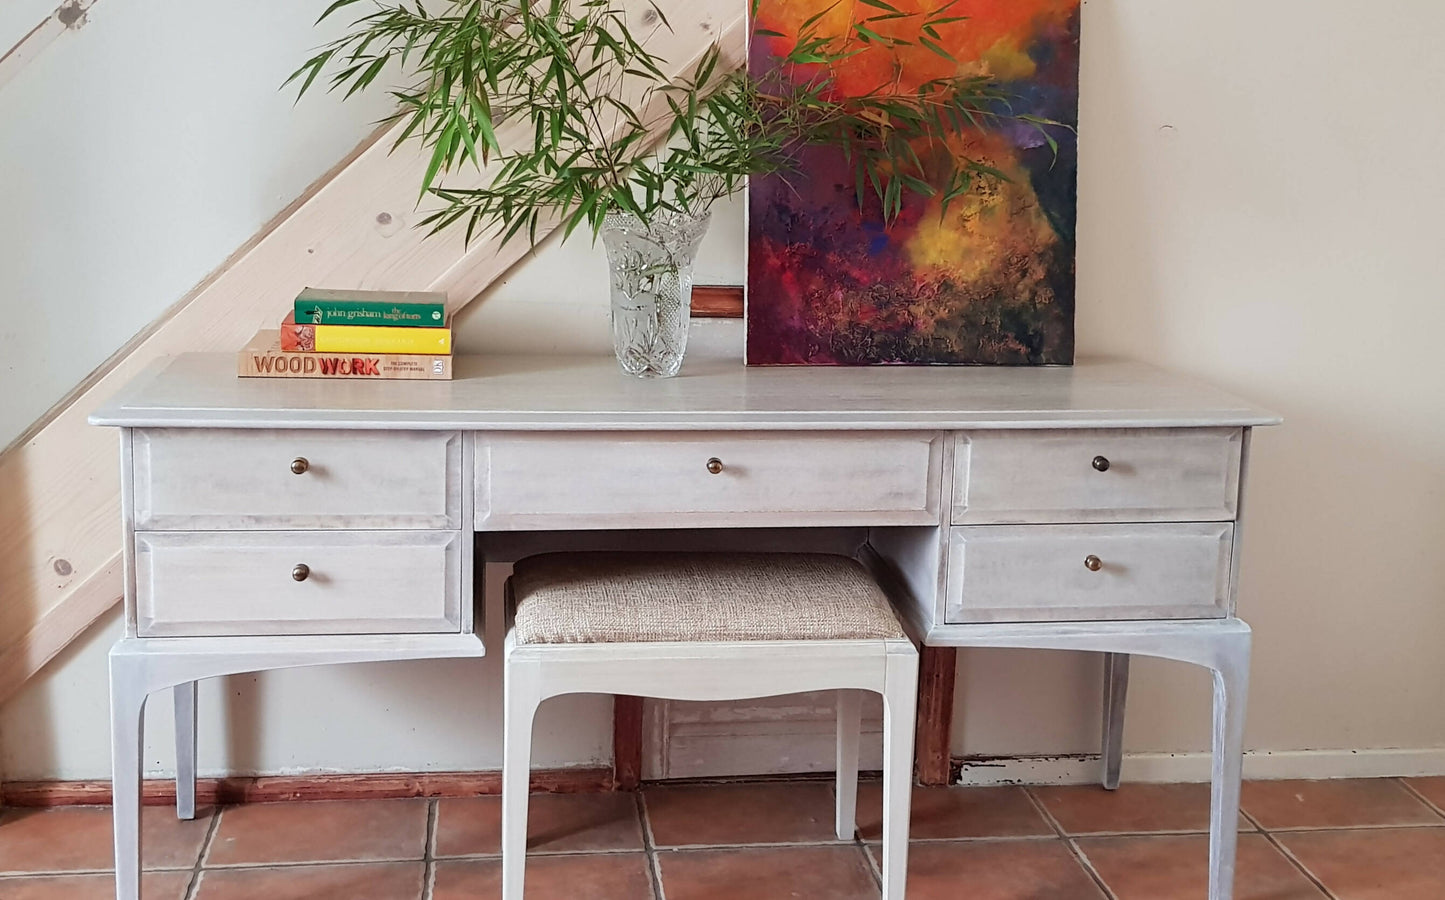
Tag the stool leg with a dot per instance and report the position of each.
(850, 719)
(127, 735)
(185, 703)
(522, 699)
(900, 704)
(1116, 691)
(1231, 687)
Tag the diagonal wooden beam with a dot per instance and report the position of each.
(59, 487)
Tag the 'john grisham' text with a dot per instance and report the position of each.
(328, 365)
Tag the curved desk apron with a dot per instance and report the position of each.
(1087, 508)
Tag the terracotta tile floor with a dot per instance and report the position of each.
(1340, 840)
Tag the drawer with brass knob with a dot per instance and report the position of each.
(1034, 573)
(682, 480)
(222, 479)
(1096, 475)
(297, 582)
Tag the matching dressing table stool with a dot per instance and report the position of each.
(710, 626)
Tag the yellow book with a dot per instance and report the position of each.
(307, 338)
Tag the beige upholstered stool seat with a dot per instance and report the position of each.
(574, 598)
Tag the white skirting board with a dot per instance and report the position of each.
(1259, 765)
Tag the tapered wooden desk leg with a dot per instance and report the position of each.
(627, 743)
(1231, 694)
(937, 669)
(185, 705)
(1116, 692)
(850, 715)
(127, 735)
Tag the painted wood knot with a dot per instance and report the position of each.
(387, 224)
(63, 568)
(649, 16)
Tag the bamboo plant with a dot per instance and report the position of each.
(575, 117)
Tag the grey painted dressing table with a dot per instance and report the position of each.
(278, 523)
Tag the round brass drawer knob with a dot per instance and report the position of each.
(715, 466)
(1093, 563)
(301, 572)
(1101, 463)
(299, 465)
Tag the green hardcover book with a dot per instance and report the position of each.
(405, 309)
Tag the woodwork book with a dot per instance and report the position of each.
(307, 338)
(395, 309)
(264, 358)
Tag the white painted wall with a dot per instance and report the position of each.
(1260, 207)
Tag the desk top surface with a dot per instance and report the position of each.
(591, 394)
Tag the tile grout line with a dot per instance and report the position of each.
(874, 868)
(649, 847)
(428, 875)
(1043, 811)
(1074, 849)
(292, 864)
(195, 886)
(1300, 866)
(433, 815)
(1310, 829)
(1088, 865)
(1410, 789)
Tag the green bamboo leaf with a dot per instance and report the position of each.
(932, 45)
(339, 4)
(312, 67)
(869, 35)
(438, 158)
(816, 18)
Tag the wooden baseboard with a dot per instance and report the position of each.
(272, 789)
(1197, 766)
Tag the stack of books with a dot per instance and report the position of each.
(355, 334)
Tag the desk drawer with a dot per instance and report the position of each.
(1061, 573)
(210, 479)
(631, 480)
(1133, 475)
(359, 582)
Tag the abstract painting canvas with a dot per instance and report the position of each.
(991, 282)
